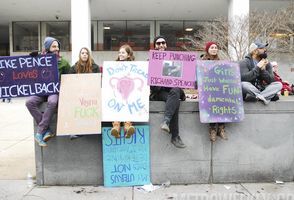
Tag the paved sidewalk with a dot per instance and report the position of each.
(17, 160)
(19, 190)
(17, 156)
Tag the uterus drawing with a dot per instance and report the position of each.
(126, 85)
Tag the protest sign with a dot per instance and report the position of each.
(126, 161)
(172, 69)
(79, 107)
(220, 91)
(125, 91)
(26, 76)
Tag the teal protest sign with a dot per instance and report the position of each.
(126, 161)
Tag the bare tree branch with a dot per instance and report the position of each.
(276, 28)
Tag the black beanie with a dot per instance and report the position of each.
(156, 38)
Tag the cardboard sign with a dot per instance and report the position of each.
(125, 91)
(26, 76)
(172, 69)
(79, 107)
(220, 92)
(126, 162)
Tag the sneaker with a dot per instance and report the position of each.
(221, 132)
(177, 141)
(276, 97)
(250, 98)
(47, 135)
(212, 134)
(129, 129)
(115, 131)
(264, 100)
(39, 140)
(165, 126)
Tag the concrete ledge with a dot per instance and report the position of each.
(259, 149)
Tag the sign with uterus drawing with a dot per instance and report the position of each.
(125, 93)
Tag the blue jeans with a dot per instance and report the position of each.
(42, 119)
(268, 93)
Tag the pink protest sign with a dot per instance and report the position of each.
(172, 69)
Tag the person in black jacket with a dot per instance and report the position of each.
(85, 64)
(172, 98)
(257, 76)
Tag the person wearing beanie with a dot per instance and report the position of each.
(172, 97)
(215, 129)
(257, 76)
(211, 51)
(159, 43)
(51, 45)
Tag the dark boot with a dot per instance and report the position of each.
(212, 134)
(115, 131)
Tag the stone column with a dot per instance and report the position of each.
(80, 27)
(238, 17)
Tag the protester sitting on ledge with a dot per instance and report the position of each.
(215, 129)
(85, 64)
(287, 87)
(125, 53)
(257, 76)
(43, 134)
(172, 97)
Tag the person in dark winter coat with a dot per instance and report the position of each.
(172, 98)
(257, 76)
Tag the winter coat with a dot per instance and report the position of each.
(253, 74)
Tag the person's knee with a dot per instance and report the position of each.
(30, 103)
(176, 92)
(279, 85)
(52, 103)
(246, 85)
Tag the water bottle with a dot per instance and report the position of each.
(30, 180)
(286, 93)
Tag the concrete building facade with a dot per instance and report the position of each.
(103, 26)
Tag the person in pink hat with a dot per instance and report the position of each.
(215, 129)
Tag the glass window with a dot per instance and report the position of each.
(25, 36)
(60, 31)
(115, 35)
(192, 35)
(173, 31)
(138, 35)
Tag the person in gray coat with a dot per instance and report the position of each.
(257, 76)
